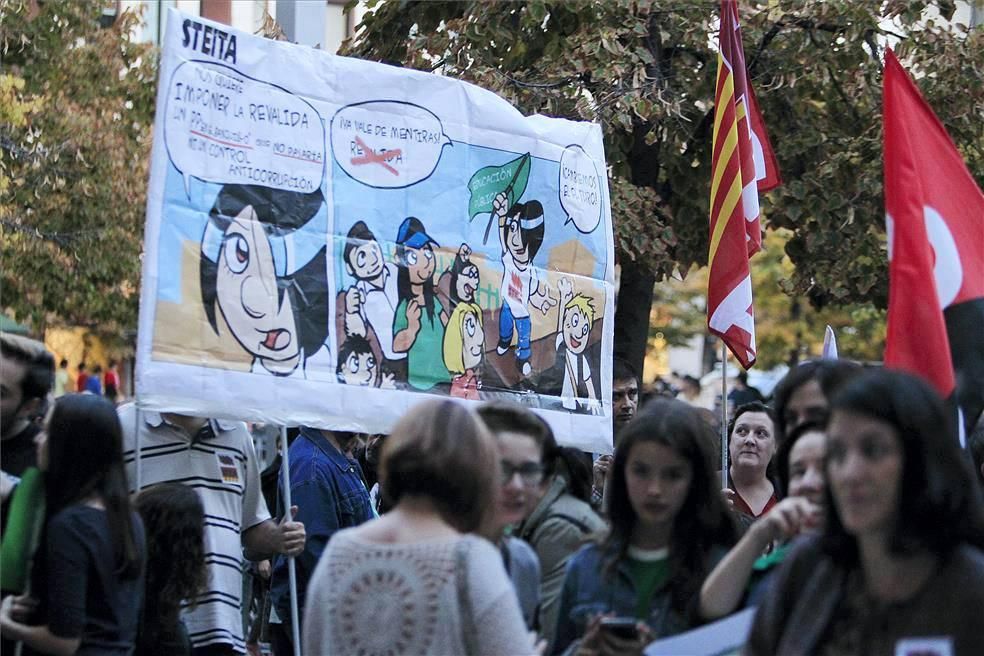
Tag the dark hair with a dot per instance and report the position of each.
(280, 212)
(829, 374)
(442, 451)
(785, 449)
(939, 505)
(751, 406)
(532, 238)
(97, 369)
(622, 371)
(975, 444)
(39, 374)
(63, 363)
(403, 274)
(703, 521)
(358, 235)
(85, 457)
(756, 406)
(458, 266)
(352, 344)
(505, 416)
(174, 520)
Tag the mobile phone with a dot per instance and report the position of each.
(621, 627)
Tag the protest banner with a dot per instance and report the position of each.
(330, 241)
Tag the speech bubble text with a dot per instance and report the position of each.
(222, 126)
(580, 189)
(387, 144)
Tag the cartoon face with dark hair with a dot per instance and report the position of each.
(263, 319)
(362, 254)
(356, 363)
(466, 283)
(263, 265)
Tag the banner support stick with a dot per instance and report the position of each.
(137, 478)
(295, 624)
(724, 415)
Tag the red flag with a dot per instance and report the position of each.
(736, 232)
(935, 219)
(766, 166)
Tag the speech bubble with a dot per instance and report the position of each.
(580, 189)
(225, 127)
(386, 143)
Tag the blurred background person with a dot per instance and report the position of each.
(560, 518)
(900, 563)
(62, 378)
(669, 527)
(804, 392)
(26, 375)
(111, 382)
(741, 578)
(751, 446)
(415, 581)
(625, 402)
(521, 475)
(89, 578)
(174, 521)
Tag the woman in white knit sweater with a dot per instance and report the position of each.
(416, 581)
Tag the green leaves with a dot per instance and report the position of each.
(74, 165)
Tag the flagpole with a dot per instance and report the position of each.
(295, 624)
(724, 415)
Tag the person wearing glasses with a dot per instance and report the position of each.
(554, 521)
(521, 475)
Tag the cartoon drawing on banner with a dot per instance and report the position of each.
(575, 316)
(463, 350)
(521, 228)
(459, 283)
(319, 253)
(369, 305)
(264, 266)
(356, 363)
(418, 327)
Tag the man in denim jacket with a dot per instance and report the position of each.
(328, 490)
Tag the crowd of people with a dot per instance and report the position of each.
(851, 519)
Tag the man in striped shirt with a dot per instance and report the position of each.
(215, 458)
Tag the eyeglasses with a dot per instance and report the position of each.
(530, 473)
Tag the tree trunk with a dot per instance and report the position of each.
(635, 299)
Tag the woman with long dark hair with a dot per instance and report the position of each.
(899, 567)
(418, 325)
(174, 519)
(669, 526)
(89, 577)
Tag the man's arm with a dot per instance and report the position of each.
(268, 538)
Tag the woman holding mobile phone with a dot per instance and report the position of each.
(669, 526)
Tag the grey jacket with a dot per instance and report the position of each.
(557, 528)
(794, 617)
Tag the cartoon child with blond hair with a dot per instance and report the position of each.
(575, 319)
(464, 340)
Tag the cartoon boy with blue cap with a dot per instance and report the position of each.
(418, 325)
(263, 263)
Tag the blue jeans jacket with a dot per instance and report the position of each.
(589, 590)
(328, 491)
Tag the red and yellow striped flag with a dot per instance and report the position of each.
(742, 163)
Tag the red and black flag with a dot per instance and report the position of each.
(935, 219)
